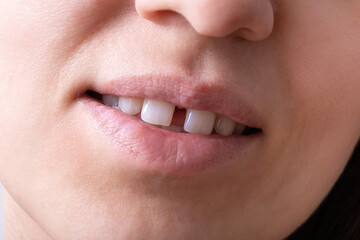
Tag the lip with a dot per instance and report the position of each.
(143, 146)
(210, 95)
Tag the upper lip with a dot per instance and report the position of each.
(186, 93)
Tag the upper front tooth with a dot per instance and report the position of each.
(224, 126)
(131, 106)
(199, 122)
(110, 100)
(156, 112)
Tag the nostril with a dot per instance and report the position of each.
(166, 17)
(248, 19)
(156, 9)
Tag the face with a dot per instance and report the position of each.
(287, 69)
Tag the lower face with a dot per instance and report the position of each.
(103, 174)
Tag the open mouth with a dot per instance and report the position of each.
(169, 124)
(173, 118)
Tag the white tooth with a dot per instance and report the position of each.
(156, 112)
(224, 126)
(239, 128)
(173, 128)
(131, 106)
(110, 100)
(199, 122)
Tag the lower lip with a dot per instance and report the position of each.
(149, 148)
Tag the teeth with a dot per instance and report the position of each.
(173, 128)
(239, 129)
(156, 112)
(131, 106)
(224, 126)
(110, 100)
(199, 122)
(160, 114)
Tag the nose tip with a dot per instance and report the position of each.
(249, 19)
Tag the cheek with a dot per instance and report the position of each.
(320, 62)
(37, 39)
(316, 120)
(30, 83)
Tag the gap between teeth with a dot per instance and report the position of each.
(161, 114)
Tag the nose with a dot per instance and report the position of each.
(249, 19)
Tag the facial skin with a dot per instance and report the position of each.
(296, 62)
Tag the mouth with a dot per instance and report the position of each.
(173, 118)
(158, 130)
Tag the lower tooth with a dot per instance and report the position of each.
(172, 128)
(199, 122)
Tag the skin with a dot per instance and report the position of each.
(296, 61)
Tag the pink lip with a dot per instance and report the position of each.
(147, 147)
(201, 95)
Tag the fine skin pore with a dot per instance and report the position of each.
(295, 62)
